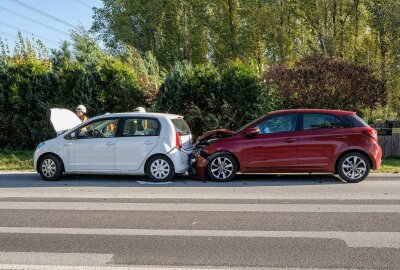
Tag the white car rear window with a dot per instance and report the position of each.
(181, 126)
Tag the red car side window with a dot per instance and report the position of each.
(278, 123)
(319, 121)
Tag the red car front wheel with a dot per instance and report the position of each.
(222, 168)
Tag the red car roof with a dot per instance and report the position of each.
(335, 112)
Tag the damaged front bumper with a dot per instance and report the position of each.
(198, 164)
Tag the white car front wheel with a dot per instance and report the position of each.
(50, 167)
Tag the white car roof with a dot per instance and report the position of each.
(63, 119)
(146, 114)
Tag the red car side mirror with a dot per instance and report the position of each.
(252, 132)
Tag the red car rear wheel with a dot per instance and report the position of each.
(353, 167)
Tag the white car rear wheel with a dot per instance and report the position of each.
(160, 169)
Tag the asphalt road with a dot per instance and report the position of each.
(255, 222)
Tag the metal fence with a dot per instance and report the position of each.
(390, 145)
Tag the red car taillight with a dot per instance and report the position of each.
(371, 132)
(178, 140)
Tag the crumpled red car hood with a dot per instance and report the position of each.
(208, 134)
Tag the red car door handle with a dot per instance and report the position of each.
(289, 140)
(340, 137)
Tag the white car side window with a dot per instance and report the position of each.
(99, 129)
(140, 127)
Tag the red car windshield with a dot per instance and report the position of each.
(248, 124)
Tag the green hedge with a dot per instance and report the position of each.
(208, 97)
(32, 82)
(30, 87)
(212, 98)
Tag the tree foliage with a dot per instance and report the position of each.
(316, 82)
(31, 83)
(220, 63)
(265, 32)
(212, 98)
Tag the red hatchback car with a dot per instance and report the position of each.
(290, 141)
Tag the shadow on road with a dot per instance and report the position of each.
(22, 180)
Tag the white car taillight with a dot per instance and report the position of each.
(178, 140)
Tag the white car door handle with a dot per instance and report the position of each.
(109, 144)
(149, 142)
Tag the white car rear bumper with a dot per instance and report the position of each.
(180, 158)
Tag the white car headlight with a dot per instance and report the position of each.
(40, 145)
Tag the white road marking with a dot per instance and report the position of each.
(153, 183)
(299, 190)
(37, 258)
(353, 239)
(316, 208)
(156, 267)
(272, 190)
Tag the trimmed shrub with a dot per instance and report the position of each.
(27, 89)
(317, 82)
(31, 84)
(210, 98)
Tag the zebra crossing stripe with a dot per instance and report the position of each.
(353, 239)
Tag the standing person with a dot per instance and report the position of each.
(81, 113)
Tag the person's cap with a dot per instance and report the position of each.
(140, 109)
(81, 108)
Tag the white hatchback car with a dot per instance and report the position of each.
(154, 144)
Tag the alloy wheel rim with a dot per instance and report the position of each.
(160, 169)
(354, 167)
(48, 167)
(221, 167)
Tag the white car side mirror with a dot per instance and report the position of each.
(73, 136)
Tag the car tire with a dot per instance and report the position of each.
(222, 168)
(50, 167)
(160, 169)
(353, 167)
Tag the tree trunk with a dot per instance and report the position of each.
(356, 30)
(185, 30)
(281, 33)
(383, 51)
(233, 25)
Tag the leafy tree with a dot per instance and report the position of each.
(150, 75)
(269, 31)
(89, 76)
(317, 82)
(384, 21)
(31, 83)
(171, 30)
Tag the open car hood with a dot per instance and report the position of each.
(63, 119)
(215, 134)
